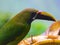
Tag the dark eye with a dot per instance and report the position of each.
(59, 32)
(31, 17)
(33, 14)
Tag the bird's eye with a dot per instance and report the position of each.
(59, 32)
(33, 14)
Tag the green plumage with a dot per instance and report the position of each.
(16, 28)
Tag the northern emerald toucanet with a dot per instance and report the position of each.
(17, 28)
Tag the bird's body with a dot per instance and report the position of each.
(15, 27)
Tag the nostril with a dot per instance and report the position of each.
(59, 32)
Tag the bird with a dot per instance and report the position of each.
(17, 28)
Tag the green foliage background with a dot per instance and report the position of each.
(38, 27)
(4, 18)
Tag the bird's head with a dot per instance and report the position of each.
(35, 14)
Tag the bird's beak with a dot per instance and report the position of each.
(44, 16)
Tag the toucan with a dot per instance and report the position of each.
(17, 28)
